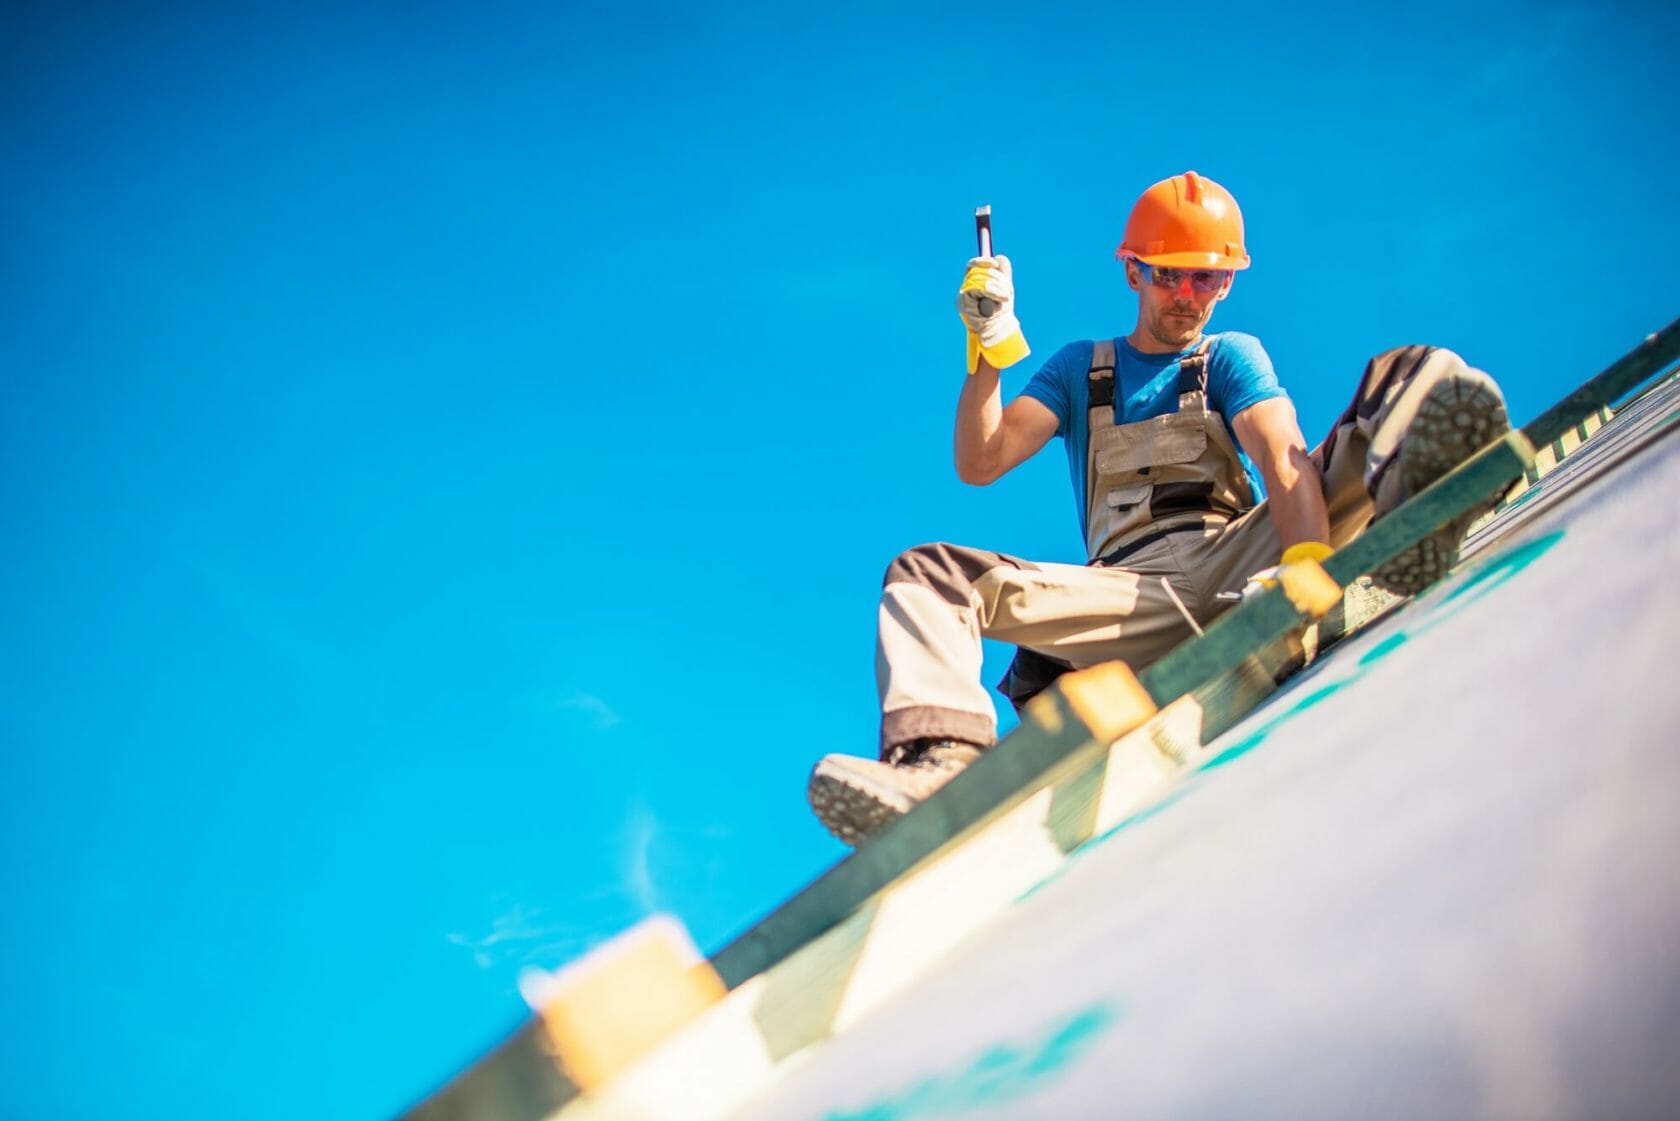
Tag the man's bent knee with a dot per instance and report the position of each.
(950, 570)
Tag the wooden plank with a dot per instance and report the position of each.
(1051, 729)
(1546, 461)
(518, 1079)
(622, 999)
(1615, 382)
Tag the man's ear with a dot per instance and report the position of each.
(1133, 281)
(1225, 289)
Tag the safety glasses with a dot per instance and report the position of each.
(1202, 280)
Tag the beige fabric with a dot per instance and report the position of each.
(929, 654)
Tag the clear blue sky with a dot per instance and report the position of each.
(448, 453)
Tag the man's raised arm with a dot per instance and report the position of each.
(990, 439)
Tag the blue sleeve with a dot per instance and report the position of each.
(1240, 374)
(1052, 386)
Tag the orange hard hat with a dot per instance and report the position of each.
(1186, 222)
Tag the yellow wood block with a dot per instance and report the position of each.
(1518, 444)
(613, 1006)
(1108, 698)
(1043, 711)
(1310, 588)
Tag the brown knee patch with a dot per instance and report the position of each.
(950, 570)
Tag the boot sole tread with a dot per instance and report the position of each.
(1456, 419)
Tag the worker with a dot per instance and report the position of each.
(1193, 484)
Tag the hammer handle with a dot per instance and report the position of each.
(983, 238)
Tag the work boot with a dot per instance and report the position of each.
(1459, 415)
(855, 798)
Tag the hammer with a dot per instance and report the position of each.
(983, 236)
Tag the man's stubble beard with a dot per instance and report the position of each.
(1179, 337)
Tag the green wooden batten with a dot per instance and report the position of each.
(1032, 752)
(1475, 481)
(1233, 637)
(518, 1079)
(1617, 380)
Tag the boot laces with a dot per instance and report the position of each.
(932, 754)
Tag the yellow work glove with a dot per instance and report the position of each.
(1268, 577)
(986, 303)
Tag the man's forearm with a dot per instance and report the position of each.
(979, 428)
(1295, 499)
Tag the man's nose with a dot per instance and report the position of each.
(1184, 291)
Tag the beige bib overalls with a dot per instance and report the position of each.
(1150, 476)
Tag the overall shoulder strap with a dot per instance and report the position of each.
(1193, 370)
(1099, 379)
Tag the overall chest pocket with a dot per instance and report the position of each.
(1130, 451)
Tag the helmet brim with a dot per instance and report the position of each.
(1192, 260)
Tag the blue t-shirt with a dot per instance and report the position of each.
(1240, 374)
